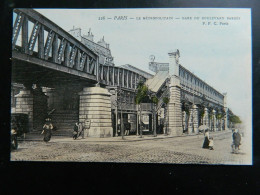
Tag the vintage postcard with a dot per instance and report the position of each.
(171, 85)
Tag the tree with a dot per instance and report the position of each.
(145, 95)
(235, 119)
(155, 100)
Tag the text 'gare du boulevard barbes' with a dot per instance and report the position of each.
(70, 77)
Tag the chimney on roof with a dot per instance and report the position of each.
(89, 36)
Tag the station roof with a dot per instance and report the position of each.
(155, 83)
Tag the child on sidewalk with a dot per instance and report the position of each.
(211, 143)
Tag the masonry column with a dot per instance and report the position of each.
(221, 124)
(34, 104)
(24, 104)
(214, 120)
(190, 123)
(183, 120)
(95, 105)
(217, 124)
(206, 117)
(175, 113)
(195, 118)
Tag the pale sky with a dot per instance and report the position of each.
(218, 54)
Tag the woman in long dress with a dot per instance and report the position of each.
(206, 139)
(47, 130)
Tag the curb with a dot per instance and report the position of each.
(60, 139)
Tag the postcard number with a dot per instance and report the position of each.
(101, 18)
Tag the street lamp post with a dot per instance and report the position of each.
(154, 122)
(153, 113)
(141, 126)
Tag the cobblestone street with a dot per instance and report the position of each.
(178, 150)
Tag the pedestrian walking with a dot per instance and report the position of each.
(47, 130)
(206, 139)
(236, 141)
(211, 143)
(75, 131)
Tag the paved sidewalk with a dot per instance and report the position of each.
(186, 149)
(129, 138)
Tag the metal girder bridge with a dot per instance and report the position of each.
(39, 41)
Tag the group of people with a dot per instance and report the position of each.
(127, 128)
(236, 141)
(208, 141)
(78, 130)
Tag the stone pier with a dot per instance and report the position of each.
(24, 104)
(206, 117)
(175, 113)
(184, 116)
(34, 104)
(214, 120)
(190, 122)
(195, 118)
(221, 124)
(95, 106)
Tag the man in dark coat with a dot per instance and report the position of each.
(236, 141)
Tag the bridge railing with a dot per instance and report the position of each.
(196, 86)
(118, 76)
(41, 38)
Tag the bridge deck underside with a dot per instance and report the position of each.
(28, 73)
